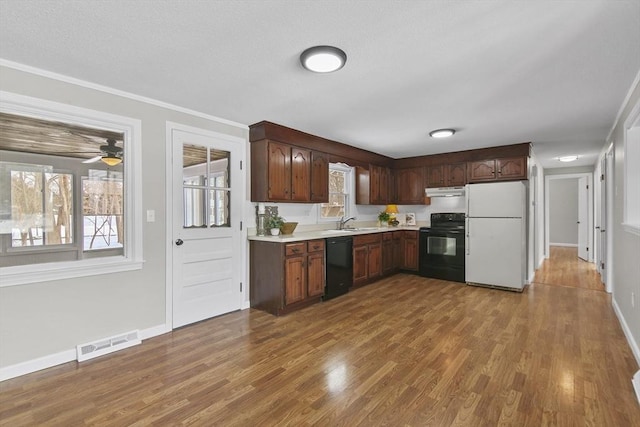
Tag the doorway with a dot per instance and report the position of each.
(569, 213)
(204, 225)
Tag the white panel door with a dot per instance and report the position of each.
(583, 220)
(206, 227)
(495, 252)
(496, 200)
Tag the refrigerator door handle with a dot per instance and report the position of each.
(467, 246)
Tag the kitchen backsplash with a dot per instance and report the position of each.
(309, 213)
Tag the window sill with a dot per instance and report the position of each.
(36, 273)
(631, 228)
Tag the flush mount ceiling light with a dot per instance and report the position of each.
(323, 59)
(441, 133)
(568, 158)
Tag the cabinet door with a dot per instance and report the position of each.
(279, 171)
(319, 177)
(410, 261)
(435, 176)
(374, 184)
(397, 250)
(360, 264)
(410, 185)
(392, 194)
(387, 255)
(512, 168)
(481, 171)
(456, 174)
(375, 260)
(295, 279)
(300, 175)
(384, 186)
(315, 271)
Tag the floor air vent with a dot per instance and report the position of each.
(107, 345)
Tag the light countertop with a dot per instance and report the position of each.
(323, 234)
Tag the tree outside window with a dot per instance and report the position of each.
(338, 205)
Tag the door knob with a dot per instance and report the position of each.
(179, 242)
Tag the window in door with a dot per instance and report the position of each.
(206, 187)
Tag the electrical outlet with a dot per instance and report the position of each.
(151, 215)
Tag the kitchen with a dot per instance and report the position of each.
(554, 73)
(449, 193)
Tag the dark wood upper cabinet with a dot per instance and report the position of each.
(410, 186)
(279, 170)
(372, 185)
(451, 175)
(285, 173)
(456, 174)
(300, 175)
(506, 169)
(435, 176)
(285, 167)
(512, 168)
(319, 177)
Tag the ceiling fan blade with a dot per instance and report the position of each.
(93, 159)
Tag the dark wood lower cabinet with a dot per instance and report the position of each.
(410, 250)
(367, 258)
(383, 254)
(285, 277)
(289, 276)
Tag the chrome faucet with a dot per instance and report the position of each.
(343, 221)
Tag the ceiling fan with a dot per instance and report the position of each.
(110, 154)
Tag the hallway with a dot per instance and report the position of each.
(564, 268)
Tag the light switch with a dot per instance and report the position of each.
(151, 215)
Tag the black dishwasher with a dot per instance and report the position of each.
(339, 266)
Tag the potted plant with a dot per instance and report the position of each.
(274, 223)
(383, 218)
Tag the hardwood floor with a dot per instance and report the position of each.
(564, 268)
(405, 351)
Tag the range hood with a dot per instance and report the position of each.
(444, 192)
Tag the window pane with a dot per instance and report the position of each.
(219, 208)
(26, 208)
(336, 207)
(194, 208)
(336, 181)
(102, 210)
(58, 208)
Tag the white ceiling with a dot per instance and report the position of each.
(500, 72)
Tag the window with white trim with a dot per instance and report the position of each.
(67, 210)
(340, 177)
(631, 215)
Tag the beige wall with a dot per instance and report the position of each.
(42, 319)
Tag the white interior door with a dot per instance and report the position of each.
(601, 228)
(206, 227)
(583, 220)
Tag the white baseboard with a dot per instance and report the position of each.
(627, 332)
(636, 384)
(65, 356)
(566, 245)
(38, 364)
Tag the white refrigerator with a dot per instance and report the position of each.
(496, 235)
